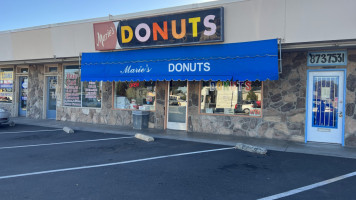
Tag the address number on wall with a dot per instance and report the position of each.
(327, 58)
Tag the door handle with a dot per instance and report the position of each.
(340, 114)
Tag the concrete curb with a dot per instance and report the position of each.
(68, 130)
(250, 148)
(144, 137)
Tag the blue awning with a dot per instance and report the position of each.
(256, 60)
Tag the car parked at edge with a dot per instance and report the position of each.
(246, 106)
(5, 117)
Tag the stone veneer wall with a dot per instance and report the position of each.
(159, 115)
(106, 114)
(350, 118)
(283, 106)
(103, 115)
(35, 92)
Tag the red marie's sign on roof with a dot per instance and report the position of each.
(181, 28)
(105, 36)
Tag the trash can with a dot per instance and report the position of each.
(140, 119)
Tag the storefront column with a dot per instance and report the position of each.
(161, 88)
(350, 106)
(35, 92)
(193, 103)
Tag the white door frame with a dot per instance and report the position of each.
(176, 125)
(18, 96)
(341, 106)
(45, 94)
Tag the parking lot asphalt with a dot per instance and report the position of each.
(47, 163)
(230, 140)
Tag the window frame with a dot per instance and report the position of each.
(81, 88)
(113, 97)
(230, 115)
(19, 69)
(13, 83)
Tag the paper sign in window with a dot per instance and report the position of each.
(325, 93)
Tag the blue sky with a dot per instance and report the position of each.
(15, 14)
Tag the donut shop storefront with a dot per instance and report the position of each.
(178, 67)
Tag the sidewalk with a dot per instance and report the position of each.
(270, 144)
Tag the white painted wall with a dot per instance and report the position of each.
(295, 21)
(320, 20)
(254, 20)
(32, 44)
(5, 46)
(71, 40)
(47, 42)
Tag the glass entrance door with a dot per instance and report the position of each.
(51, 97)
(325, 107)
(177, 105)
(23, 91)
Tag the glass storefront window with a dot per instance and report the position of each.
(23, 89)
(91, 94)
(24, 70)
(80, 94)
(52, 69)
(72, 86)
(6, 85)
(135, 95)
(231, 98)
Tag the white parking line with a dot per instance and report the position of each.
(111, 164)
(59, 143)
(35, 131)
(309, 187)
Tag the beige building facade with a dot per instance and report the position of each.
(311, 100)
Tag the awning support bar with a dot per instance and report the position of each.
(280, 67)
